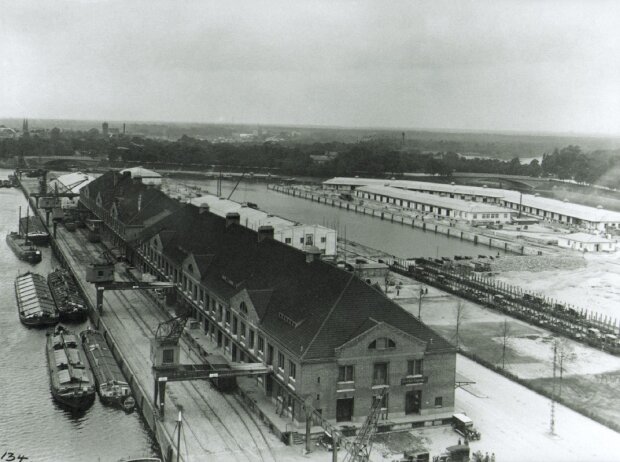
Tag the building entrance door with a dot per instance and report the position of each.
(413, 402)
(344, 410)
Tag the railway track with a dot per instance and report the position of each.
(556, 317)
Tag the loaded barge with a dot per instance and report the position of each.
(35, 304)
(68, 298)
(71, 378)
(22, 248)
(111, 384)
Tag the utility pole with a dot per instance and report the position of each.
(555, 354)
(179, 424)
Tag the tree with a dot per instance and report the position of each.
(505, 335)
(460, 316)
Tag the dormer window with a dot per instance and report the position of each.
(382, 343)
(243, 309)
(291, 322)
(190, 268)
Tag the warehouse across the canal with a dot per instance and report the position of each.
(475, 213)
(332, 339)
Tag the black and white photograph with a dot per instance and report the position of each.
(310, 231)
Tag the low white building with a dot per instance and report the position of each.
(552, 210)
(147, 176)
(298, 235)
(586, 243)
(71, 182)
(472, 212)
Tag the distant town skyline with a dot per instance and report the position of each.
(498, 66)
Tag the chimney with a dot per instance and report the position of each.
(232, 218)
(312, 253)
(265, 232)
(203, 208)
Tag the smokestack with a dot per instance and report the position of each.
(232, 218)
(203, 208)
(265, 232)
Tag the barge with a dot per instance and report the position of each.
(71, 378)
(22, 248)
(111, 384)
(35, 304)
(67, 297)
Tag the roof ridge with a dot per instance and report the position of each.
(331, 310)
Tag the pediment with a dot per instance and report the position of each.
(190, 266)
(381, 333)
(241, 302)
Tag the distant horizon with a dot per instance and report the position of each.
(516, 67)
(507, 132)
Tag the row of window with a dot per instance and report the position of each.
(232, 323)
(308, 240)
(380, 375)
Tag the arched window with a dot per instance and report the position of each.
(382, 343)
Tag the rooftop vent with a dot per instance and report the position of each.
(599, 206)
(265, 232)
(312, 253)
(232, 218)
(484, 185)
(204, 207)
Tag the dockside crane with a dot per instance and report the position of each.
(359, 450)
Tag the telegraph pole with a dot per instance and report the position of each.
(555, 356)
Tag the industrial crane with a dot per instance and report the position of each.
(359, 450)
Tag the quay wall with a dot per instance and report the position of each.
(419, 223)
(143, 403)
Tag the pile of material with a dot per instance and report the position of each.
(534, 263)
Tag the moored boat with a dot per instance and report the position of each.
(24, 250)
(71, 378)
(111, 384)
(68, 298)
(35, 304)
(32, 227)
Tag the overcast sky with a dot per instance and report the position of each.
(480, 65)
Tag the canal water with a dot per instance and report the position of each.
(32, 424)
(399, 240)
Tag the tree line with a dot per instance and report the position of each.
(376, 157)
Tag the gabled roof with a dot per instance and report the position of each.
(136, 203)
(311, 308)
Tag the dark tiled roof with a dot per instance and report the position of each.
(328, 306)
(137, 204)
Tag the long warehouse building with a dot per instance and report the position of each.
(475, 213)
(332, 339)
(553, 210)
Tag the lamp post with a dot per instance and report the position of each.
(423, 291)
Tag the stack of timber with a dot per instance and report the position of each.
(111, 384)
(32, 227)
(71, 378)
(69, 301)
(23, 249)
(35, 304)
